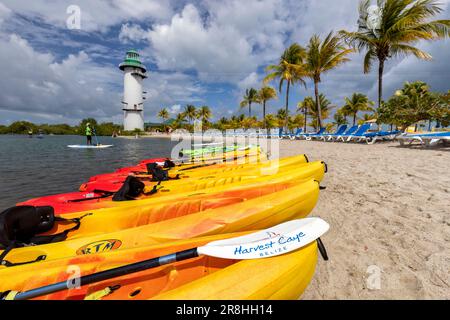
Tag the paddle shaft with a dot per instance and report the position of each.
(95, 135)
(112, 273)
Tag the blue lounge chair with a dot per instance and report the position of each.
(358, 134)
(323, 136)
(372, 137)
(294, 135)
(332, 136)
(308, 135)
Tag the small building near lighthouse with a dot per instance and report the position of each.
(133, 95)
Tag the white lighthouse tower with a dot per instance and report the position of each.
(133, 96)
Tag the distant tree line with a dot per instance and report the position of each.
(25, 127)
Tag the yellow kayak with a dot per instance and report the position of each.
(285, 203)
(281, 277)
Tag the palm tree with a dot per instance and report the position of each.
(282, 117)
(251, 96)
(322, 57)
(403, 23)
(265, 94)
(339, 118)
(190, 112)
(358, 102)
(290, 69)
(304, 106)
(204, 113)
(270, 121)
(320, 110)
(367, 117)
(164, 115)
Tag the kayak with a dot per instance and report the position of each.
(81, 201)
(165, 209)
(253, 214)
(209, 149)
(113, 181)
(224, 157)
(81, 146)
(280, 277)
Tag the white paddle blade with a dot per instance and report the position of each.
(281, 239)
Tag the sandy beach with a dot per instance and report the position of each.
(388, 207)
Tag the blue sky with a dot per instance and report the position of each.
(204, 52)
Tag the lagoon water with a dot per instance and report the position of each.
(32, 167)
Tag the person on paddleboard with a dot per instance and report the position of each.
(88, 134)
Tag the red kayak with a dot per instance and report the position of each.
(141, 167)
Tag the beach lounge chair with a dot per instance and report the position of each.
(331, 136)
(357, 135)
(323, 136)
(428, 139)
(307, 136)
(296, 134)
(372, 137)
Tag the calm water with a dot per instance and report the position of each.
(36, 167)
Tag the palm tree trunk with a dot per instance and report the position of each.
(264, 114)
(249, 109)
(306, 115)
(380, 82)
(287, 105)
(319, 109)
(354, 118)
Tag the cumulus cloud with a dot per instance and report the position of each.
(216, 53)
(131, 33)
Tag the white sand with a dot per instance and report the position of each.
(388, 207)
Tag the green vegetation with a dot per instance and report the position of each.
(414, 103)
(357, 103)
(24, 127)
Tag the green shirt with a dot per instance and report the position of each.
(88, 131)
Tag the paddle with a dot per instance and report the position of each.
(278, 240)
(96, 140)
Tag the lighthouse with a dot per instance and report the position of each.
(133, 95)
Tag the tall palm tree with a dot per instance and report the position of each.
(190, 112)
(322, 57)
(358, 102)
(251, 96)
(322, 110)
(403, 23)
(265, 94)
(304, 106)
(290, 69)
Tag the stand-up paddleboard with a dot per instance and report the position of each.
(83, 146)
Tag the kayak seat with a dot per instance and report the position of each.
(21, 225)
(131, 188)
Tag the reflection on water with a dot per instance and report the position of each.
(36, 167)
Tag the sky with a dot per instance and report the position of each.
(204, 52)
